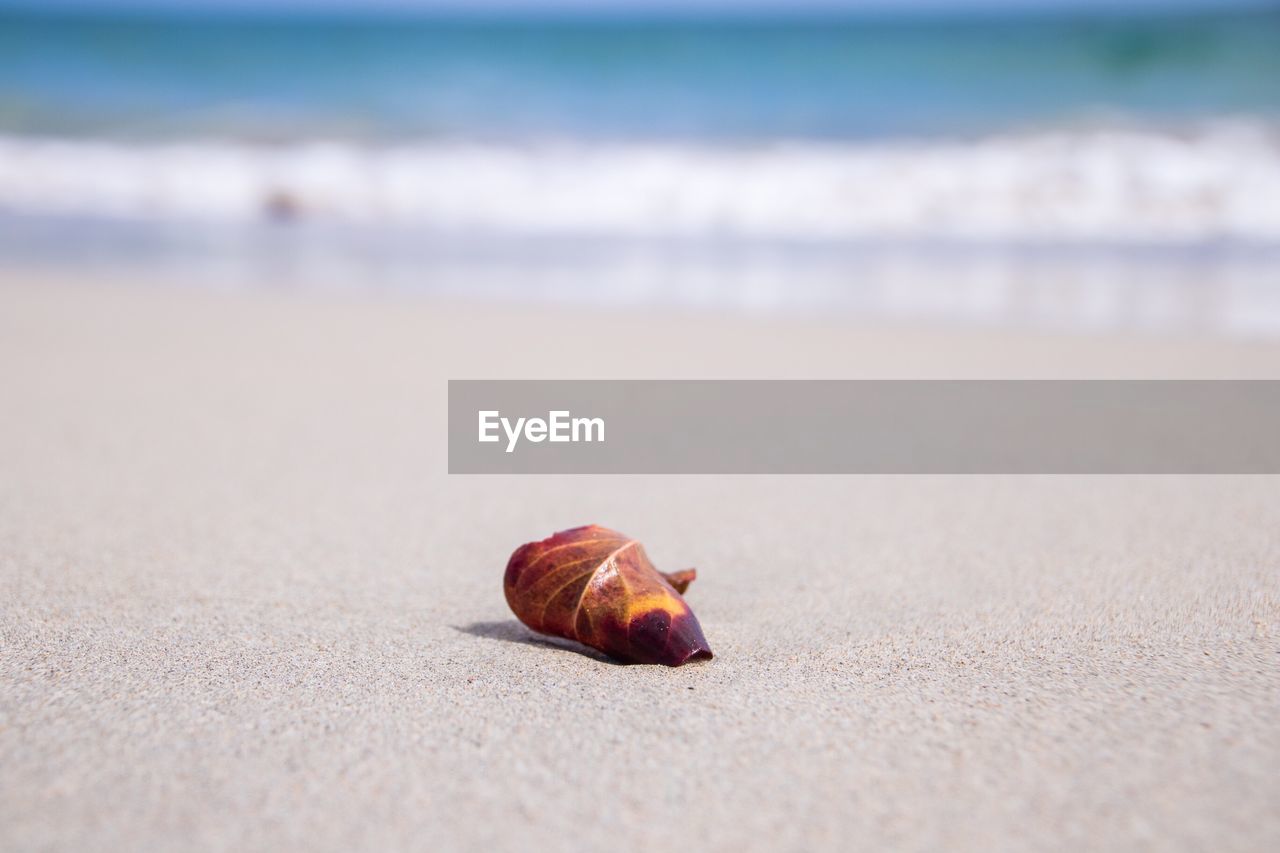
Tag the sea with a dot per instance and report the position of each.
(1069, 169)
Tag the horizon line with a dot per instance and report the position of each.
(568, 13)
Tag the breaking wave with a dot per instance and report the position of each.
(1219, 182)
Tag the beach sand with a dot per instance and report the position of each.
(242, 605)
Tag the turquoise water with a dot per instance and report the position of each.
(836, 79)
(1072, 172)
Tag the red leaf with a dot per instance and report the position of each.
(596, 586)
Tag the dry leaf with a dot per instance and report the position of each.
(596, 586)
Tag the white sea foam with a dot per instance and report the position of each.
(1097, 185)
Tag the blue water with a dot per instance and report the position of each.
(837, 79)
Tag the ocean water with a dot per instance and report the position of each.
(362, 140)
(387, 79)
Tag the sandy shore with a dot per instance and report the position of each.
(243, 607)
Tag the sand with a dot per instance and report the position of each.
(243, 607)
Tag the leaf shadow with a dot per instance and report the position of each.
(512, 631)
